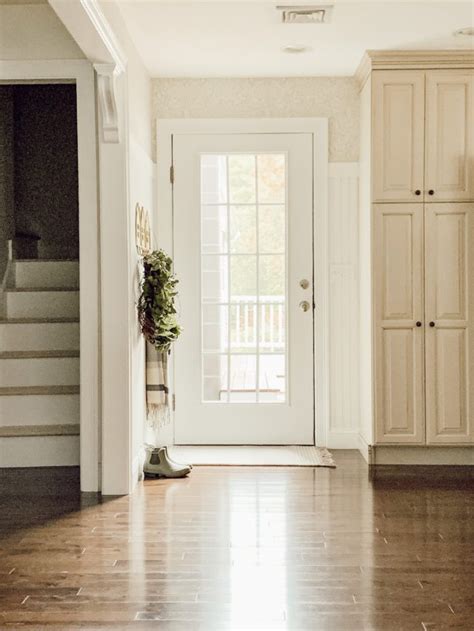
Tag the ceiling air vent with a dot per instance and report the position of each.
(309, 14)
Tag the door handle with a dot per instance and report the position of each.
(304, 304)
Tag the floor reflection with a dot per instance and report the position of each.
(240, 548)
(258, 560)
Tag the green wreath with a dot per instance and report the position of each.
(156, 310)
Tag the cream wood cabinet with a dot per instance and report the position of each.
(423, 135)
(449, 322)
(423, 323)
(416, 235)
(449, 135)
(399, 339)
(398, 135)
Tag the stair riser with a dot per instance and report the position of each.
(62, 371)
(46, 409)
(46, 274)
(49, 336)
(40, 451)
(43, 304)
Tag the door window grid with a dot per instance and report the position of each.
(250, 326)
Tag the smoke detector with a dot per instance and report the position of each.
(296, 49)
(307, 14)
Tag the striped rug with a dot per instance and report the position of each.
(253, 456)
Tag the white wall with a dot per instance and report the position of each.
(343, 252)
(142, 191)
(33, 31)
(140, 170)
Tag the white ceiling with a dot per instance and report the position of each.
(244, 38)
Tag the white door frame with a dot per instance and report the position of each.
(81, 73)
(318, 127)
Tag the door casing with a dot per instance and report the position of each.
(81, 73)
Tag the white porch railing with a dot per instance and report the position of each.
(270, 315)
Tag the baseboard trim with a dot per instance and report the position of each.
(137, 469)
(342, 440)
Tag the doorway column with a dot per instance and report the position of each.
(115, 289)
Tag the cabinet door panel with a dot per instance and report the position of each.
(398, 293)
(449, 135)
(399, 368)
(398, 133)
(449, 254)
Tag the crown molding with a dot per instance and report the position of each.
(412, 59)
(106, 34)
(106, 74)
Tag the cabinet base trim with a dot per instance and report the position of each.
(366, 450)
(426, 455)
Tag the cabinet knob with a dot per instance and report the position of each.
(417, 192)
(431, 192)
(418, 324)
(432, 324)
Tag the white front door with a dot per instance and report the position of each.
(243, 235)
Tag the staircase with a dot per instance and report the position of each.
(39, 365)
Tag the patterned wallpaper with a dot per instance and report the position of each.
(334, 97)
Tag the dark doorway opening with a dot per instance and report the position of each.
(39, 168)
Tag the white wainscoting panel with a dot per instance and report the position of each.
(343, 426)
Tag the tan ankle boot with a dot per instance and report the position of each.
(158, 465)
(174, 461)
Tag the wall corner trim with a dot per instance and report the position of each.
(108, 105)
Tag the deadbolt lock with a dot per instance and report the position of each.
(304, 283)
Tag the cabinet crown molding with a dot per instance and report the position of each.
(412, 59)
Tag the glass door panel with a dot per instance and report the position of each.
(243, 263)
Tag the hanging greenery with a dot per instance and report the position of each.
(156, 310)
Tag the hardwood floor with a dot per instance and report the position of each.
(241, 548)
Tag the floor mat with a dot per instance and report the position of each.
(246, 455)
